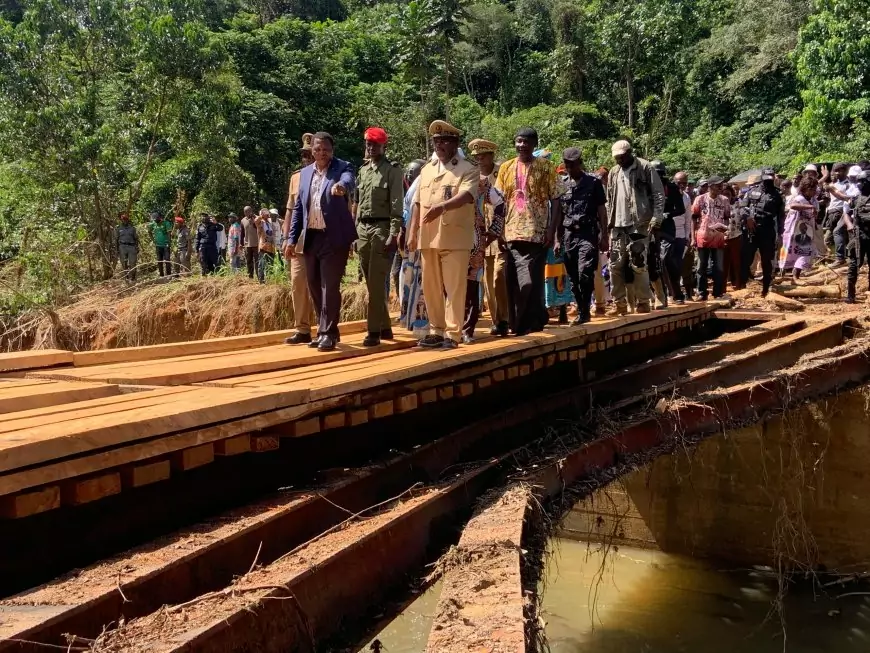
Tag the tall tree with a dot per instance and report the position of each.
(92, 94)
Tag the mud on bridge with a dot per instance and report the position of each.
(239, 495)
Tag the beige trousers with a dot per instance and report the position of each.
(303, 307)
(495, 287)
(445, 271)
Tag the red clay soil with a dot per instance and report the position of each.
(481, 604)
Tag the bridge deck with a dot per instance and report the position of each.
(215, 396)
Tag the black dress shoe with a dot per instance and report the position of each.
(581, 319)
(494, 330)
(327, 343)
(316, 342)
(387, 334)
(298, 339)
(501, 329)
(372, 340)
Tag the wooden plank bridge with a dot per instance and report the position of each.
(81, 426)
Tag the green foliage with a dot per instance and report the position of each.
(129, 104)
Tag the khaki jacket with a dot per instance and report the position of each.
(647, 200)
(453, 229)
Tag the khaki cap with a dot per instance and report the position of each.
(620, 147)
(482, 146)
(307, 140)
(442, 128)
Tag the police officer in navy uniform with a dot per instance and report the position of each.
(582, 232)
(858, 225)
(762, 208)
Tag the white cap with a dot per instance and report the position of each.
(810, 166)
(854, 171)
(620, 147)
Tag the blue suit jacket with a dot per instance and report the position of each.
(340, 227)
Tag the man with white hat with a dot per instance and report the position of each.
(635, 205)
(842, 190)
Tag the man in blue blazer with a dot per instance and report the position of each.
(323, 222)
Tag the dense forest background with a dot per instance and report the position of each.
(139, 105)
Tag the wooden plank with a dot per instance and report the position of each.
(139, 475)
(445, 392)
(25, 395)
(234, 446)
(185, 370)
(563, 356)
(513, 372)
(32, 440)
(305, 427)
(406, 403)
(261, 443)
(193, 457)
(464, 389)
(525, 370)
(482, 382)
(334, 421)
(428, 396)
(51, 472)
(498, 375)
(573, 355)
(761, 316)
(381, 409)
(85, 490)
(357, 417)
(30, 503)
(212, 345)
(31, 360)
(537, 364)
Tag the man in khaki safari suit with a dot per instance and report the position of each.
(444, 206)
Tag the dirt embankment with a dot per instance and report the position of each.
(115, 315)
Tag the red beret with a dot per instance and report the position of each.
(376, 135)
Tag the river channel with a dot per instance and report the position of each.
(633, 600)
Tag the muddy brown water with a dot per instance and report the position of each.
(634, 600)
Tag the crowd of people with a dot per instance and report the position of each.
(252, 243)
(533, 240)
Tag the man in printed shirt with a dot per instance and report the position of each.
(444, 209)
(530, 187)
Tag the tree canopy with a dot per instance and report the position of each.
(143, 105)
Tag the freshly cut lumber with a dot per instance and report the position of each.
(85, 490)
(139, 475)
(201, 368)
(32, 437)
(233, 446)
(212, 345)
(26, 394)
(810, 292)
(54, 471)
(193, 457)
(30, 360)
(30, 503)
